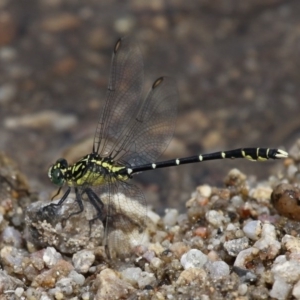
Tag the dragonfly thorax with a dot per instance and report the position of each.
(92, 169)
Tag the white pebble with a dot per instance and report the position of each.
(156, 263)
(215, 218)
(204, 190)
(234, 247)
(231, 227)
(86, 296)
(291, 171)
(132, 275)
(154, 217)
(245, 256)
(51, 257)
(146, 278)
(19, 291)
(237, 201)
(280, 289)
(170, 217)
(242, 289)
(76, 277)
(65, 285)
(83, 260)
(296, 290)
(268, 243)
(253, 230)
(218, 269)
(193, 259)
(288, 270)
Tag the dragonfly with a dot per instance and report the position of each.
(131, 134)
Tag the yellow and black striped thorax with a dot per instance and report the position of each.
(90, 170)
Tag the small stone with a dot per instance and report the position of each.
(83, 260)
(292, 244)
(124, 25)
(262, 194)
(19, 291)
(234, 247)
(109, 284)
(132, 275)
(237, 201)
(48, 278)
(179, 248)
(215, 218)
(287, 270)
(253, 230)
(51, 257)
(285, 198)
(65, 285)
(191, 275)
(76, 277)
(245, 256)
(204, 190)
(86, 296)
(268, 244)
(280, 289)
(156, 263)
(242, 289)
(193, 259)
(11, 236)
(170, 217)
(146, 278)
(153, 216)
(218, 269)
(296, 290)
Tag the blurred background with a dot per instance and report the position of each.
(236, 64)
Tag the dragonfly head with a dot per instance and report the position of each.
(57, 172)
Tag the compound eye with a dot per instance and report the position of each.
(63, 164)
(57, 177)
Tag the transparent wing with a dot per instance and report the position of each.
(124, 215)
(150, 132)
(124, 92)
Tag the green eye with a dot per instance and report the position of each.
(56, 176)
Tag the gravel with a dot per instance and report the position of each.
(225, 243)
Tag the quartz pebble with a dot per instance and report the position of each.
(242, 289)
(268, 244)
(234, 247)
(244, 256)
(296, 290)
(193, 259)
(109, 283)
(280, 289)
(132, 275)
(253, 230)
(287, 270)
(215, 218)
(51, 256)
(83, 260)
(218, 269)
(170, 217)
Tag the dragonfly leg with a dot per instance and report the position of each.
(51, 208)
